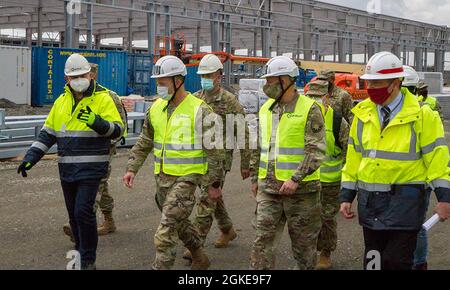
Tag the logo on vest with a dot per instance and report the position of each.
(292, 115)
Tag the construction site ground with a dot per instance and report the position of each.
(32, 213)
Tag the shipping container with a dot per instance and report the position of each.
(192, 82)
(139, 71)
(305, 76)
(48, 71)
(15, 80)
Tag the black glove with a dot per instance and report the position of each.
(24, 166)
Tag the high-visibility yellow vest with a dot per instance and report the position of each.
(290, 140)
(177, 149)
(430, 101)
(331, 168)
(410, 150)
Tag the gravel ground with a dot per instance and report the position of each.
(32, 213)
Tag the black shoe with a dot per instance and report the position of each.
(89, 266)
(421, 267)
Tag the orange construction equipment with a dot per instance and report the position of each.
(356, 87)
(177, 45)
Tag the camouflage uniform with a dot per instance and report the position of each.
(104, 200)
(422, 86)
(340, 100)
(301, 210)
(175, 195)
(327, 240)
(223, 103)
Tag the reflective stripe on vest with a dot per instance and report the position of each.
(331, 168)
(288, 151)
(398, 154)
(177, 149)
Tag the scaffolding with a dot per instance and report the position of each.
(306, 29)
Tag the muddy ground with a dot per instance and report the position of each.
(32, 213)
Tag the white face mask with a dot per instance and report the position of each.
(163, 92)
(80, 85)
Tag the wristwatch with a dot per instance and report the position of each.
(295, 179)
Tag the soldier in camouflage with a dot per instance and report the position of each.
(175, 193)
(339, 99)
(425, 99)
(330, 177)
(223, 103)
(104, 200)
(294, 201)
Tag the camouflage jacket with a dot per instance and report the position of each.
(225, 103)
(315, 148)
(122, 112)
(341, 101)
(144, 145)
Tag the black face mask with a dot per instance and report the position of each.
(412, 89)
(424, 93)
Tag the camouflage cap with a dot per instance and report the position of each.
(327, 75)
(318, 88)
(422, 85)
(94, 68)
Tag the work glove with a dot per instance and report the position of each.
(23, 168)
(87, 116)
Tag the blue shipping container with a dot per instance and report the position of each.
(305, 76)
(139, 71)
(192, 82)
(48, 71)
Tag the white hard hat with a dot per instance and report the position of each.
(210, 63)
(412, 79)
(76, 65)
(384, 66)
(168, 66)
(280, 66)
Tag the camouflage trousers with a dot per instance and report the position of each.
(104, 200)
(302, 214)
(206, 210)
(176, 201)
(330, 207)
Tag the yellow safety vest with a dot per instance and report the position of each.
(410, 150)
(290, 140)
(430, 101)
(177, 149)
(331, 168)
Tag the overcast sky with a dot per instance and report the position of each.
(432, 11)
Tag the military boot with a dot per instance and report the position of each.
(108, 225)
(324, 262)
(187, 255)
(225, 238)
(199, 260)
(68, 231)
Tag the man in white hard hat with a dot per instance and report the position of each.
(223, 103)
(411, 80)
(104, 198)
(287, 185)
(174, 131)
(396, 150)
(82, 121)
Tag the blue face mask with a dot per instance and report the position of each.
(207, 84)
